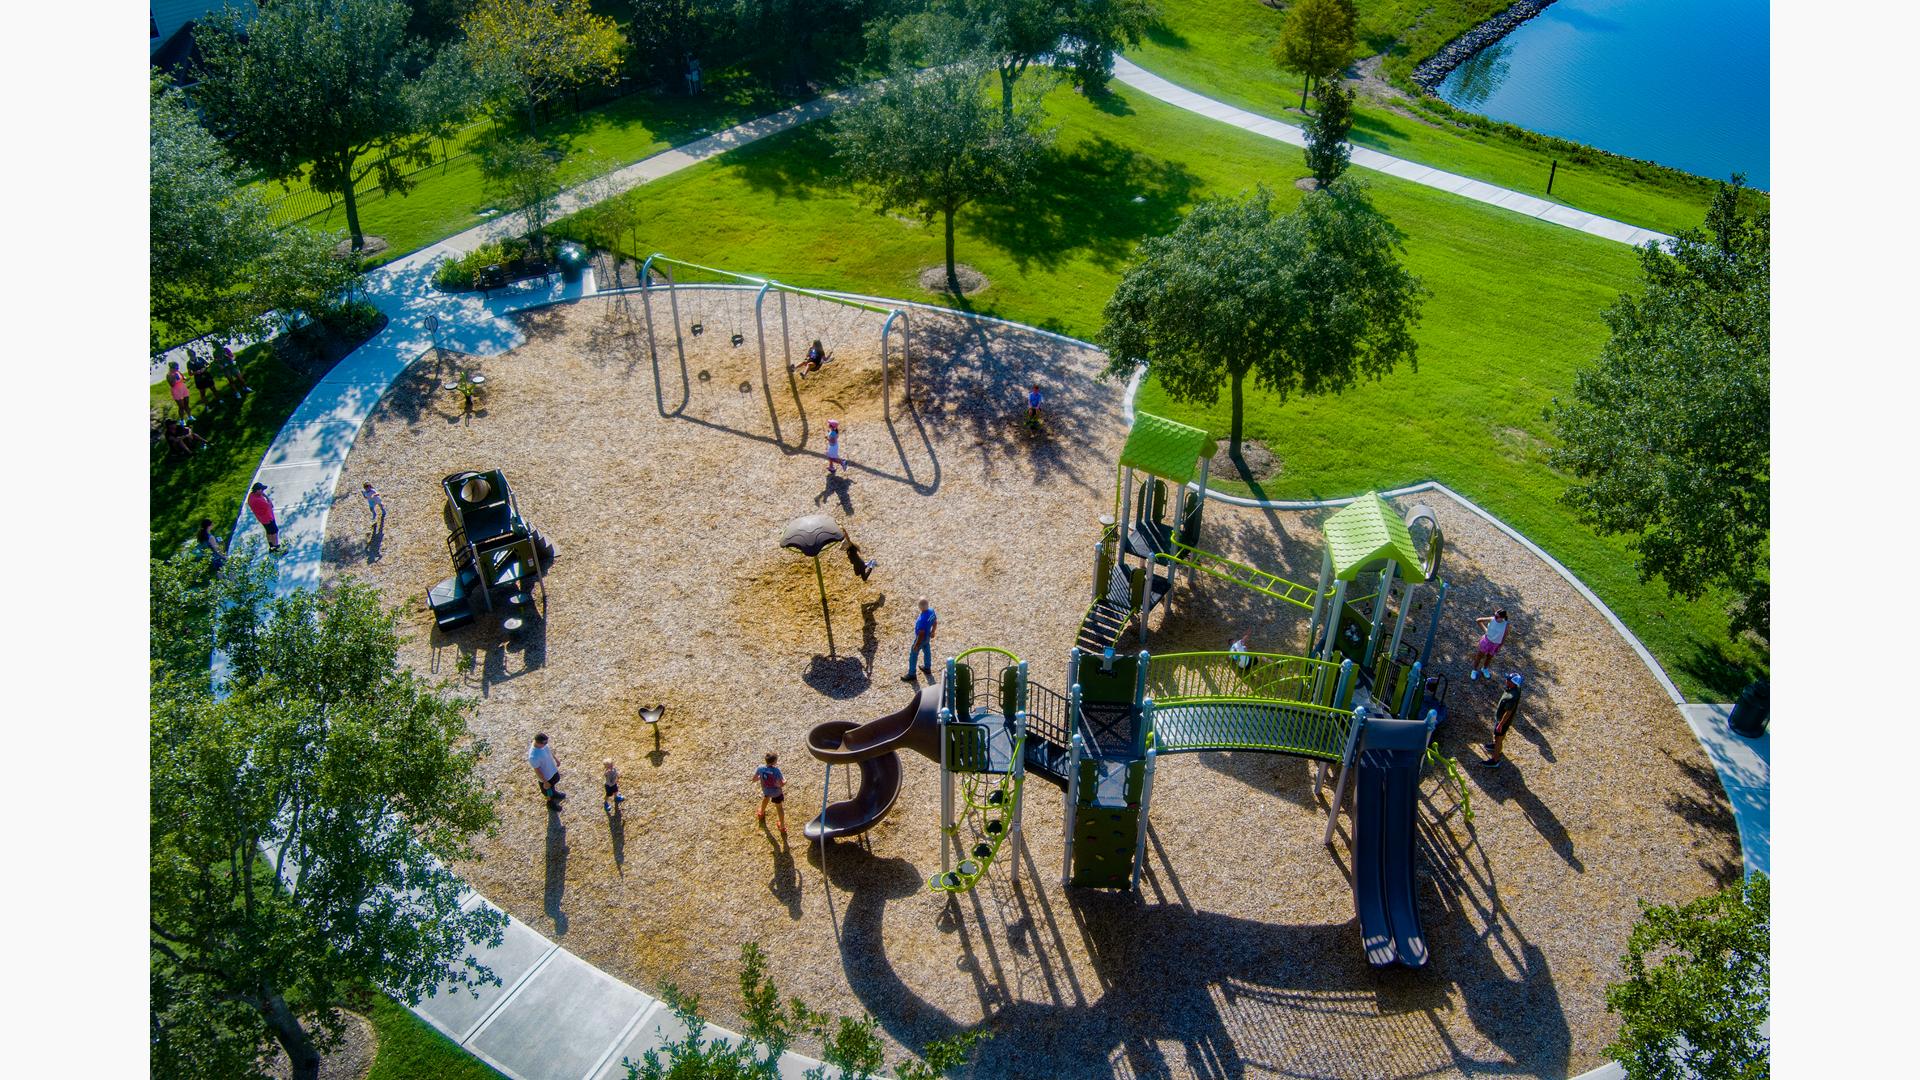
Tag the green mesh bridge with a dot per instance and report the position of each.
(1249, 701)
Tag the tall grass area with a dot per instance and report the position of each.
(1515, 310)
(1222, 48)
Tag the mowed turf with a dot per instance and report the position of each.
(1223, 49)
(1515, 311)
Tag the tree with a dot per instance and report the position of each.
(531, 50)
(1668, 433)
(1327, 131)
(302, 829)
(329, 91)
(207, 228)
(930, 143)
(522, 174)
(1696, 1013)
(1316, 41)
(666, 32)
(1305, 302)
(1009, 34)
(1092, 32)
(851, 1047)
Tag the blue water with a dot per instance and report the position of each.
(1680, 82)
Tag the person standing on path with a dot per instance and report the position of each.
(1504, 712)
(546, 770)
(773, 789)
(216, 550)
(924, 628)
(261, 503)
(1493, 634)
(177, 387)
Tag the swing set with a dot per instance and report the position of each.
(746, 323)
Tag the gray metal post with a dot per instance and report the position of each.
(1413, 690)
(1400, 621)
(886, 360)
(1125, 524)
(1320, 599)
(1072, 797)
(1346, 759)
(946, 796)
(1433, 626)
(1018, 839)
(1335, 607)
(1379, 611)
(760, 337)
(1343, 691)
(786, 344)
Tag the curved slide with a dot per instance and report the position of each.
(1386, 796)
(874, 746)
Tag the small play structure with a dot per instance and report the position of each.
(498, 559)
(748, 322)
(1355, 702)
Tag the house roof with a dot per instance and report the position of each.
(1367, 530)
(1166, 448)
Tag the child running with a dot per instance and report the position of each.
(833, 448)
(773, 789)
(614, 798)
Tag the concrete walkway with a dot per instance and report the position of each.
(1141, 79)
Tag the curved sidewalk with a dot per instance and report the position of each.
(1126, 71)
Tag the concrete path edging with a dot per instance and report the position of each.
(1132, 74)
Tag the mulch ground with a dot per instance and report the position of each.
(665, 489)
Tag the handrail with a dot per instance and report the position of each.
(1048, 714)
(1238, 676)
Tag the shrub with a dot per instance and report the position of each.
(464, 272)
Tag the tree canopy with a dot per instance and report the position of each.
(1316, 41)
(1668, 433)
(1327, 130)
(330, 91)
(1306, 302)
(931, 143)
(216, 263)
(1092, 32)
(303, 822)
(532, 50)
(1696, 991)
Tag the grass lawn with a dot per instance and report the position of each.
(450, 196)
(410, 1048)
(1515, 310)
(213, 481)
(1222, 48)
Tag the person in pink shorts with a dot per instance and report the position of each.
(1493, 634)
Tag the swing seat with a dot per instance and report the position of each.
(698, 329)
(739, 339)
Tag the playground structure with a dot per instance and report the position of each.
(497, 557)
(737, 333)
(1101, 741)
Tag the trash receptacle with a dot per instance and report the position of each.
(1749, 716)
(573, 261)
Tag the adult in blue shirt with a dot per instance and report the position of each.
(923, 631)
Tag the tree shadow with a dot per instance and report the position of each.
(1098, 198)
(1706, 808)
(1161, 34)
(790, 165)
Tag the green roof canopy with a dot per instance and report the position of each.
(1166, 448)
(1368, 530)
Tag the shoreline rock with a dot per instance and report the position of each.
(1435, 69)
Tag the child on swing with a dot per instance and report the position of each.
(816, 356)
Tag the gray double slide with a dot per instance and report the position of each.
(1386, 794)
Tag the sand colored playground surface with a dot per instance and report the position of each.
(1240, 956)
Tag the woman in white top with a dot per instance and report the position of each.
(1493, 634)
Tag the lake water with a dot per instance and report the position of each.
(1680, 82)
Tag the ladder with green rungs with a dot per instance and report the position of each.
(1247, 577)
